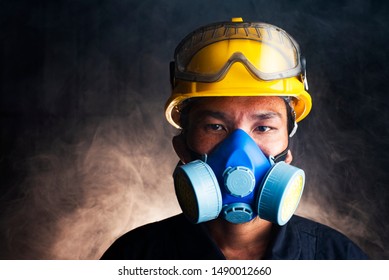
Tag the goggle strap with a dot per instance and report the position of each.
(304, 72)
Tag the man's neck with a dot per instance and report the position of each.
(241, 241)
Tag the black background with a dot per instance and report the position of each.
(85, 149)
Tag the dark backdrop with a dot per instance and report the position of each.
(85, 149)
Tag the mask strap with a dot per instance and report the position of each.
(281, 156)
(196, 156)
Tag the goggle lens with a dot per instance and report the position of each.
(265, 50)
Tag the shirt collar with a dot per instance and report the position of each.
(285, 244)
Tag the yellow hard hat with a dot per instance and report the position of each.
(238, 59)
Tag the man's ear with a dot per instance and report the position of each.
(289, 157)
(181, 148)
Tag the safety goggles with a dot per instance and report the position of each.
(268, 52)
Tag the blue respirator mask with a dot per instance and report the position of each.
(237, 181)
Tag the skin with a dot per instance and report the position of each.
(210, 121)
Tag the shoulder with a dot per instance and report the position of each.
(139, 242)
(165, 239)
(326, 242)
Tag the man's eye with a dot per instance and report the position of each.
(262, 128)
(214, 127)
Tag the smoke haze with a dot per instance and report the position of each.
(85, 148)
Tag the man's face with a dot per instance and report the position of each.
(212, 119)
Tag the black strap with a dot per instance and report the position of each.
(281, 156)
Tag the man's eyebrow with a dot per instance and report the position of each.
(209, 113)
(266, 115)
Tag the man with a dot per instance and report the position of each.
(238, 91)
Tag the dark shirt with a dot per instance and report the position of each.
(176, 238)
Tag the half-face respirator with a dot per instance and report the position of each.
(237, 181)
